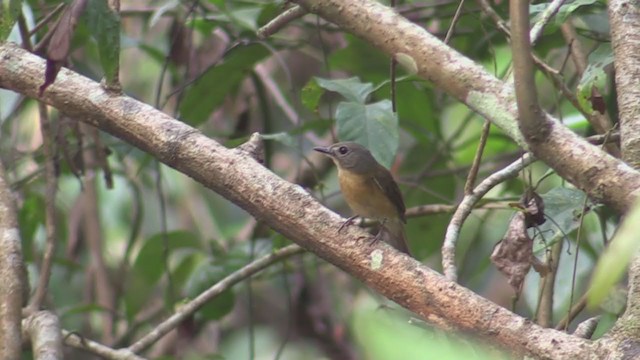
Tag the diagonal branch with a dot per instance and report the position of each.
(289, 209)
(192, 306)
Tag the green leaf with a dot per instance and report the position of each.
(289, 138)
(82, 309)
(281, 137)
(218, 82)
(246, 17)
(30, 218)
(563, 206)
(616, 258)
(161, 10)
(374, 66)
(352, 88)
(311, 94)
(9, 12)
(205, 276)
(149, 266)
(373, 125)
(568, 8)
(104, 25)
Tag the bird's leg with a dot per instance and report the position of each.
(379, 234)
(348, 222)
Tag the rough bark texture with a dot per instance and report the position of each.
(12, 275)
(290, 210)
(42, 328)
(624, 16)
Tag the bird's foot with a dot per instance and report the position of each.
(348, 222)
(376, 238)
(380, 232)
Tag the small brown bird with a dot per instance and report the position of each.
(370, 190)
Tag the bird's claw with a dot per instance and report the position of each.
(348, 222)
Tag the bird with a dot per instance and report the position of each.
(370, 190)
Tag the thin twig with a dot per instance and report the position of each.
(574, 272)
(189, 308)
(547, 14)
(50, 210)
(545, 306)
(475, 166)
(76, 341)
(464, 209)
(93, 235)
(575, 310)
(454, 21)
(281, 21)
(45, 20)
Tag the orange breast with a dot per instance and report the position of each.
(365, 197)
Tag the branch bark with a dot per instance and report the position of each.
(42, 328)
(13, 275)
(290, 210)
(624, 17)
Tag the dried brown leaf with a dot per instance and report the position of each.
(513, 254)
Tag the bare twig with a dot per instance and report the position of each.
(92, 230)
(575, 310)
(545, 306)
(51, 189)
(45, 20)
(76, 341)
(475, 166)
(464, 209)
(547, 14)
(189, 308)
(281, 21)
(454, 21)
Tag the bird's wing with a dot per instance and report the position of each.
(385, 182)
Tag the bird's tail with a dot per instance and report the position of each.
(396, 235)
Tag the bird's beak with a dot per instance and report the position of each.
(324, 150)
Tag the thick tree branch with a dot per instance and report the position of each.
(12, 274)
(602, 176)
(532, 121)
(624, 16)
(42, 328)
(290, 210)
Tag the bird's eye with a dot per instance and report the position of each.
(343, 150)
